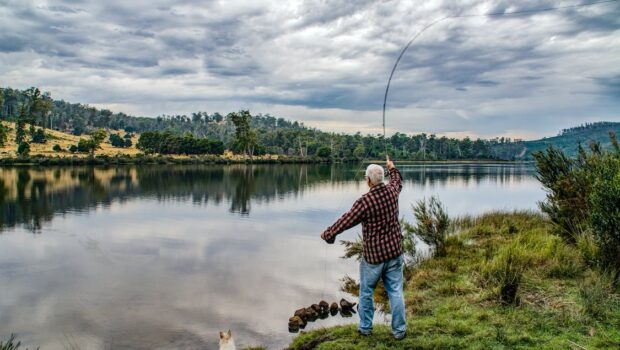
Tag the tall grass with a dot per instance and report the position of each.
(504, 272)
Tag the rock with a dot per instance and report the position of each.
(316, 307)
(346, 305)
(301, 313)
(294, 323)
(346, 313)
(324, 306)
(333, 309)
(311, 314)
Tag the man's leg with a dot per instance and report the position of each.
(393, 281)
(369, 276)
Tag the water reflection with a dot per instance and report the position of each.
(165, 257)
(32, 196)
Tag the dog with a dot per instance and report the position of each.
(226, 341)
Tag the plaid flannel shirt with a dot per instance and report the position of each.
(377, 211)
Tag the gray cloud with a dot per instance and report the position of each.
(310, 58)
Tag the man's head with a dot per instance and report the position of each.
(374, 175)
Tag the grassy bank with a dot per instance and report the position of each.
(458, 300)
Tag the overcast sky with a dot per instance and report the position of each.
(325, 63)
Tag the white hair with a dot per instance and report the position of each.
(375, 173)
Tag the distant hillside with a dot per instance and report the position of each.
(280, 136)
(568, 140)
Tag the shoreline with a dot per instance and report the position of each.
(42, 160)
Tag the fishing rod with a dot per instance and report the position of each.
(492, 14)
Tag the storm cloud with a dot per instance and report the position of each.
(326, 63)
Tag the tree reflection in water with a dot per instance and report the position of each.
(31, 196)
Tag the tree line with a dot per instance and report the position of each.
(242, 132)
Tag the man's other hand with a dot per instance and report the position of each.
(325, 238)
(388, 163)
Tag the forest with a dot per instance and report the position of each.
(258, 134)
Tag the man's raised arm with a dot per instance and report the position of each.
(395, 177)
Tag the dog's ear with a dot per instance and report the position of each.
(221, 335)
(229, 333)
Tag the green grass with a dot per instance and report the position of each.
(453, 301)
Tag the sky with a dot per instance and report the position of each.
(326, 63)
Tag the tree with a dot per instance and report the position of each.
(73, 148)
(324, 152)
(39, 136)
(23, 149)
(245, 137)
(20, 125)
(117, 141)
(57, 148)
(96, 138)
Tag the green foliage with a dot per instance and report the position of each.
(73, 148)
(11, 344)
(432, 224)
(324, 152)
(57, 148)
(605, 209)
(39, 136)
(245, 137)
(167, 143)
(117, 141)
(584, 196)
(84, 146)
(505, 271)
(23, 149)
(4, 134)
(596, 295)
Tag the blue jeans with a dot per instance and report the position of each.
(391, 272)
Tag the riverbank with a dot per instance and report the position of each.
(138, 159)
(455, 301)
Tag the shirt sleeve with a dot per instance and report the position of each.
(351, 218)
(395, 180)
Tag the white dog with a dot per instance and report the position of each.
(226, 341)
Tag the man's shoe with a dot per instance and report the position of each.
(363, 334)
(400, 337)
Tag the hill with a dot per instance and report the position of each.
(568, 141)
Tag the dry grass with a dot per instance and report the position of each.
(65, 141)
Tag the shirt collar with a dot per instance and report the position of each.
(381, 185)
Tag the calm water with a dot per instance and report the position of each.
(165, 257)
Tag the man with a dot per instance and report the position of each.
(377, 211)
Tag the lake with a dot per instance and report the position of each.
(163, 257)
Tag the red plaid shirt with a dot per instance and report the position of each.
(377, 211)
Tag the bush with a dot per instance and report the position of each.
(84, 146)
(73, 148)
(23, 149)
(584, 196)
(432, 224)
(39, 136)
(57, 148)
(505, 272)
(605, 210)
(595, 294)
(167, 143)
(324, 152)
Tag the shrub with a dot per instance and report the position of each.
(432, 224)
(57, 148)
(505, 272)
(595, 294)
(73, 148)
(605, 210)
(23, 149)
(39, 136)
(586, 244)
(324, 152)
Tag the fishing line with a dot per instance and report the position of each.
(492, 14)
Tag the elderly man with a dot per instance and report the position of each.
(377, 211)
